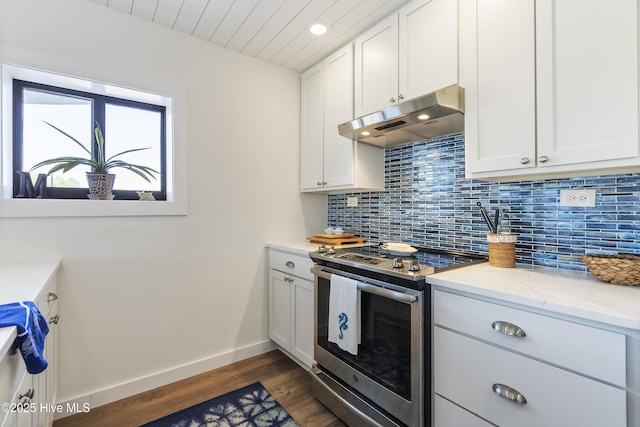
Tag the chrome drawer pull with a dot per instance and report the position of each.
(290, 264)
(52, 297)
(508, 329)
(509, 393)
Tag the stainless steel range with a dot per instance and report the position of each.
(388, 382)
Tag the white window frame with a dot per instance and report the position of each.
(176, 203)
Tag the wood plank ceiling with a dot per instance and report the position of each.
(275, 31)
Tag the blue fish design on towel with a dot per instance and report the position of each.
(32, 329)
(342, 319)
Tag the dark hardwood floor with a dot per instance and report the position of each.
(283, 378)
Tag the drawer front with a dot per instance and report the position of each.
(12, 370)
(585, 349)
(446, 414)
(291, 264)
(466, 371)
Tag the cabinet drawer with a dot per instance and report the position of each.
(467, 369)
(12, 370)
(446, 414)
(296, 265)
(588, 350)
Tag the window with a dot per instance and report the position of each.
(126, 125)
(74, 104)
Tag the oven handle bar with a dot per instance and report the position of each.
(326, 272)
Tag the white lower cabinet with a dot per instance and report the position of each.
(291, 304)
(29, 399)
(512, 367)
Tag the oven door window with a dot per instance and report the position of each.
(384, 354)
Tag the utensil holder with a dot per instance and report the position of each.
(502, 250)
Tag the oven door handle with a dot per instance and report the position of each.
(387, 293)
(372, 289)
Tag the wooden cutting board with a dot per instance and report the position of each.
(333, 236)
(336, 240)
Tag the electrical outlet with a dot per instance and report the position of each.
(578, 197)
(352, 202)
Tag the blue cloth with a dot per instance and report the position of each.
(32, 329)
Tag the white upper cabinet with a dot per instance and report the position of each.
(338, 108)
(411, 53)
(428, 47)
(587, 76)
(551, 87)
(311, 127)
(330, 162)
(376, 67)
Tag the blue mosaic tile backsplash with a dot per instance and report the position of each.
(430, 203)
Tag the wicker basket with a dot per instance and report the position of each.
(502, 250)
(616, 269)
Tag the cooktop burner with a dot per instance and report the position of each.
(377, 260)
(350, 256)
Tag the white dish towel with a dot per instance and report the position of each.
(344, 313)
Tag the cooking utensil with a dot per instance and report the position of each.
(487, 219)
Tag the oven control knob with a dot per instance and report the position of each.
(331, 250)
(397, 263)
(414, 265)
(322, 249)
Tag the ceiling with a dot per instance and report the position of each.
(275, 31)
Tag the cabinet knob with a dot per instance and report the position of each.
(319, 183)
(54, 319)
(543, 159)
(400, 97)
(288, 279)
(392, 99)
(508, 329)
(524, 160)
(26, 397)
(290, 264)
(509, 393)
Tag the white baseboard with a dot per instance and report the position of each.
(86, 402)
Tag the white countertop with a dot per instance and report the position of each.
(562, 291)
(22, 281)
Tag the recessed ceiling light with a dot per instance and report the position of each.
(423, 117)
(365, 133)
(318, 28)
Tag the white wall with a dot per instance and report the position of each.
(140, 295)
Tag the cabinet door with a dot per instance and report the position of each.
(338, 108)
(25, 418)
(500, 115)
(428, 47)
(49, 378)
(311, 128)
(587, 71)
(376, 67)
(302, 321)
(280, 308)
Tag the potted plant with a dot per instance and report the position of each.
(99, 179)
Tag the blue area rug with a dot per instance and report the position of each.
(250, 406)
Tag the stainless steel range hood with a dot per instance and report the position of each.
(436, 114)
